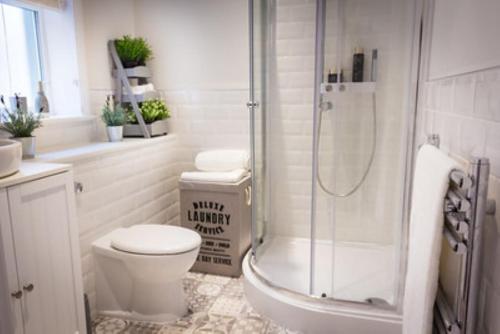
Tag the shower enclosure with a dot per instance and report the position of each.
(331, 159)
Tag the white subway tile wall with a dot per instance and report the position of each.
(465, 111)
(371, 214)
(209, 119)
(126, 188)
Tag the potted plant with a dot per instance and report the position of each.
(155, 114)
(133, 51)
(114, 117)
(21, 123)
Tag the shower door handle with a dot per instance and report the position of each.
(248, 195)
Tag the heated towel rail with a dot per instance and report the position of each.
(465, 207)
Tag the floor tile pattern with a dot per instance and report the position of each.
(217, 304)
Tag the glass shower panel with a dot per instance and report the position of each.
(257, 106)
(361, 157)
(329, 159)
(283, 140)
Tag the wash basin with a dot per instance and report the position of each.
(11, 154)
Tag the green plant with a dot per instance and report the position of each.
(151, 110)
(20, 123)
(113, 114)
(133, 51)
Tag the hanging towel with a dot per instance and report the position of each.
(222, 160)
(430, 185)
(224, 177)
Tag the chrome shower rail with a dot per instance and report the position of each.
(465, 207)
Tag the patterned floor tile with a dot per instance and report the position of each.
(218, 305)
(209, 289)
(109, 326)
(227, 306)
(234, 288)
(249, 325)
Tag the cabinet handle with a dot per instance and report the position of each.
(29, 287)
(18, 294)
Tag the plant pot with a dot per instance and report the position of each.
(115, 133)
(130, 63)
(158, 128)
(29, 146)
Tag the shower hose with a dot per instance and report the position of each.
(370, 162)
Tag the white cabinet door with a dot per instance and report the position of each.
(10, 290)
(43, 223)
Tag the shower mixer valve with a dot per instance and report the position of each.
(326, 106)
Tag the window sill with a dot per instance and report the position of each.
(50, 121)
(99, 149)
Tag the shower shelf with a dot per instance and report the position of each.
(348, 87)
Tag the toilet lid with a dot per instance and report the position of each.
(155, 239)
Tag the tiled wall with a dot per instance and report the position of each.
(465, 111)
(205, 84)
(134, 186)
(371, 214)
(209, 119)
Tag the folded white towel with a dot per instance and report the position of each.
(222, 160)
(224, 177)
(430, 185)
(140, 89)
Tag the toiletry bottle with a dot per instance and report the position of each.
(41, 101)
(332, 76)
(357, 65)
(373, 76)
(341, 75)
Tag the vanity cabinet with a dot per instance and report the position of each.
(40, 274)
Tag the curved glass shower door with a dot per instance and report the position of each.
(329, 158)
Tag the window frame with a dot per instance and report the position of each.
(44, 63)
(38, 27)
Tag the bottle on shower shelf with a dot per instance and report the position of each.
(332, 76)
(358, 61)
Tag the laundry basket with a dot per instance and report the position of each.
(221, 214)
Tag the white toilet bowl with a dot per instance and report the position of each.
(139, 271)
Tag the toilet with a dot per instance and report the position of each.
(139, 271)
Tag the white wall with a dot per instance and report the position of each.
(210, 37)
(201, 66)
(200, 62)
(464, 38)
(61, 61)
(463, 107)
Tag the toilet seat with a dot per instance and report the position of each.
(155, 240)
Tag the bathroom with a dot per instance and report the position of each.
(326, 162)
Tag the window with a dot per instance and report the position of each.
(20, 60)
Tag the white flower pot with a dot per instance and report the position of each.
(115, 133)
(29, 146)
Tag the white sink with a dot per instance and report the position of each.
(11, 154)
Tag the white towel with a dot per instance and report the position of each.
(222, 160)
(430, 185)
(140, 89)
(224, 177)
